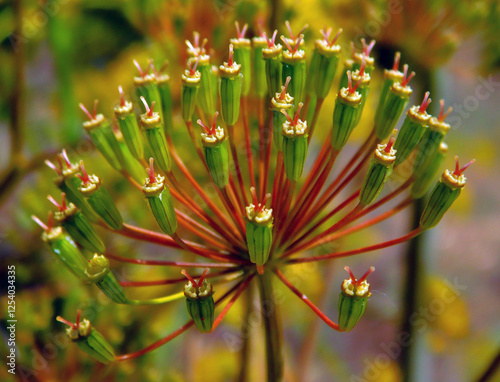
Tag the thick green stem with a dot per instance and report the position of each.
(246, 332)
(272, 328)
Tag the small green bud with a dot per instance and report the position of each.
(205, 93)
(324, 67)
(259, 66)
(99, 199)
(124, 113)
(242, 55)
(348, 67)
(163, 81)
(295, 133)
(379, 170)
(160, 201)
(130, 164)
(431, 141)
(89, 339)
(353, 299)
(426, 179)
(272, 57)
(98, 272)
(390, 77)
(63, 247)
(345, 114)
(413, 129)
(259, 230)
(191, 82)
(155, 136)
(77, 225)
(200, 302)
(281, 101)
(146, 86)
(396, 100)
(294, 66)
(102, 137)
(444, 194)
(361, 77)
(230, 89)
(216, 152)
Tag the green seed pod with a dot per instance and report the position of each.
(394, 105)
(259, 66)
(345, 115)
(413, 129)
(364, 55)
(163, 81)
(281, 101)
(127, 121)
(130, 164)
(155, 136)
(344, 79)
(430, 142)
(200, 302)
(294, 66)
(272, 57)
(426, 179)
(64, 248)
(390, 77)
(146, 85)
(204, 96)
(230, 90)
(68, 183)
(353, 300)
(362, 79)
(160, 201)
(100, 200)
(324, 70)
(98, 272)
(191, 80)
(442, 197)
(216, 152)
(379, 170)
(89, 339)
(312, 73)
(102, 136)
(295, 133)
(259, 230)
(242, 55)
(78, 226)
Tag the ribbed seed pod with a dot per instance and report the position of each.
(127, 121)
(191, 82)
(102, 136)
(79, 227)
(89, 340)
(395, 103)
(66, 250)
(242, 55)
(442, 197)
(362, 78)
(98, 272)
(130, 164)
(160, 201)
(163, 81)
(200, 302)
(100, 200)
(411, 131)
(216, 152)
(353, 299)
(272, 57)
(205, 92)
(328, 61)
(345, 115)
(430, 142)
(294, 66)
(390, 77)
(146, 85)
(426, 179)
(155, 136)
(259, 67)
(281, 101)
(259, 231)
(230, 90)
(379, 170)
(295, 133)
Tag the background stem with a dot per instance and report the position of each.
(272, 329)
(246, 332)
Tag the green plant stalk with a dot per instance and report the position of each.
(272, 328)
